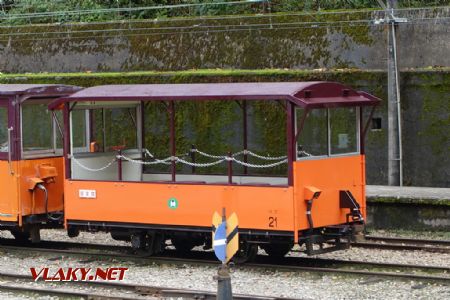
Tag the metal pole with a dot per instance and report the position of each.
(224, 291)
(394, 120)
(172, 139)
(119, 164)
(193, 158)
(244, 111)
(290, 140)
(230, 168)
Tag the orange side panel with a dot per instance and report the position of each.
(9, 209)
(329, 175)
(264, 208)
(29, 169)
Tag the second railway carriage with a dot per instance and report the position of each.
(115, 182)
(31, 159)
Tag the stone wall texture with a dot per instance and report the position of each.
(334, 40)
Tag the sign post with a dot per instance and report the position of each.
(225, 243)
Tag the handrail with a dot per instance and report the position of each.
(11, 171)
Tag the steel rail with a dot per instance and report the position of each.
(142, 290)
(287, 263)
(407, 240)
(374, 245)
(56, 292)
(327, 261)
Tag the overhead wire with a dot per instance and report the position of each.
(123, 9)
(200, 28)
(219, 29)
(211, 17)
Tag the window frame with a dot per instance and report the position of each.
(86, 151)
(4, 103)
(51, 152)
(329, 154)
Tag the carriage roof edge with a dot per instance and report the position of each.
(26, 91)
(310, 94)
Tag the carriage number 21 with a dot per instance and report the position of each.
(272, 221)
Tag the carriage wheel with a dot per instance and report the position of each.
(246, 253)
(148, 244)
(21, 236)
(183, 246)
(277, 250)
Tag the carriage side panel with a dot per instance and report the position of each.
(330, 175)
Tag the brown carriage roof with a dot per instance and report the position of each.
(306, 94)
(37, 89)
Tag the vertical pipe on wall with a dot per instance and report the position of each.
(394, 119)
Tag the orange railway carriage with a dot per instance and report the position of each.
(31, 163)
(114, 181)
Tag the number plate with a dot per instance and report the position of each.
(88, 194)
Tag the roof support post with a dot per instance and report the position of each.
(290, 132)
(142, 111)
(66, 140)
(245, 141)
(173, 148)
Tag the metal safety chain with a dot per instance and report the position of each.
(264, 157)
(239, 153)
(260, 166)
(168, 160)
(165, 161)
(91, 169)
(201, 165)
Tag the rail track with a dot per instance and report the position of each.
(407, 244)
(128, 291)
(302, 264)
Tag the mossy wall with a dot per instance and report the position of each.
(425, 111)
(334, 40)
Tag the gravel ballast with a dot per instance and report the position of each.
(267, 282)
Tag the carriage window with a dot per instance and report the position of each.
(111, 129)
(79, 138)
(3, 129)
(313, 139)
(37, 127)
(343, 130)
(120, 128)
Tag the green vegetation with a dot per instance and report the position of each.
(50, 11)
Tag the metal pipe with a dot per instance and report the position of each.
(395, 174)
(399, 113)
(119, 164)
(43, 188)
(192, 154)
(309, 204)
